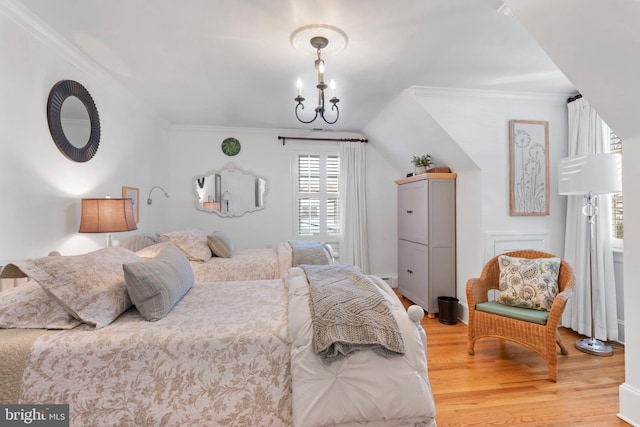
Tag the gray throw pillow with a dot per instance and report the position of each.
(220, 244)
(155, 286)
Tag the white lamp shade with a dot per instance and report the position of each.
(599, 173)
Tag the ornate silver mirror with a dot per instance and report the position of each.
(230, 191)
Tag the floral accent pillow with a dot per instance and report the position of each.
(91, 287)
(28, 306)
(192, 242)
(528, 283)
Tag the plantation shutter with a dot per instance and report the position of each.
(616, 199)
(318, 195)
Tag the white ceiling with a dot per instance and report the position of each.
(230, 62)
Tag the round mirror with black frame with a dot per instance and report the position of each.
(65, 92)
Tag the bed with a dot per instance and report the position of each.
(224, 353)
(213, 258)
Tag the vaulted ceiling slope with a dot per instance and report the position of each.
(231, 63)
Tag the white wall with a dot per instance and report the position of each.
(41, 189)
(596, 46)
(195, 151)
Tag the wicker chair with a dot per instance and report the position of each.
(540, 338)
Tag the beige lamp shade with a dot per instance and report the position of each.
(599, 173)
(107, 216)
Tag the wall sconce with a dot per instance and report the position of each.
(107, 216)
(149, 201)
(226, 197)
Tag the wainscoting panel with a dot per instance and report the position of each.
(618, 264)
(499, 242)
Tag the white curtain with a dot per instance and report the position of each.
(354, 248)
(589, 134)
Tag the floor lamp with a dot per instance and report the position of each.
(590, 175)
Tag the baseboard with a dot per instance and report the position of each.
(629, 404)
(463, 313)
(390, 279)
(620, 331)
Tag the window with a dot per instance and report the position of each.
(615, 145)
(317, 194)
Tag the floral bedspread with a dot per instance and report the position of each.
(244, 264)
(213, 360)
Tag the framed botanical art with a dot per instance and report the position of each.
(528, 167)
(133, 194)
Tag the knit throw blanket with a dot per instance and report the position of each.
(349, 314)
(307, 252)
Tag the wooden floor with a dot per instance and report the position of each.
(506, 384)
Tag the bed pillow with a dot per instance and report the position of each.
(141, 241)
(28, 306)
(528, 283)
(91, 286)
(152, 251)
(220, 244)
(155, 286)
(192, 242)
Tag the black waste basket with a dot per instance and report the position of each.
(448, 308)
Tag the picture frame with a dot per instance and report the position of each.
(133, 193)
(528, 168)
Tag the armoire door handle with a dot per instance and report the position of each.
(409, 211)
(410, 271)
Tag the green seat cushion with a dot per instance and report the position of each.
(526, 314)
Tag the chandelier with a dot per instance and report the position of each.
(319, 43)
(318, 40)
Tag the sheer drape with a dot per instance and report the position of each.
(354, 248)
(589, 134)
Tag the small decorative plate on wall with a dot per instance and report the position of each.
(230, 146)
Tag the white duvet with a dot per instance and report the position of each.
(364, 389)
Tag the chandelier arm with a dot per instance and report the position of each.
(300, 104)
(337, 115)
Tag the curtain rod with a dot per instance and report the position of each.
(284, 138)
(574, 98)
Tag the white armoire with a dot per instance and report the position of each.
(426, 238)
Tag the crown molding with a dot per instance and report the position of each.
(228, 129)
(30, 22)
(263, 131)
(489, 95)
(41, 31)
